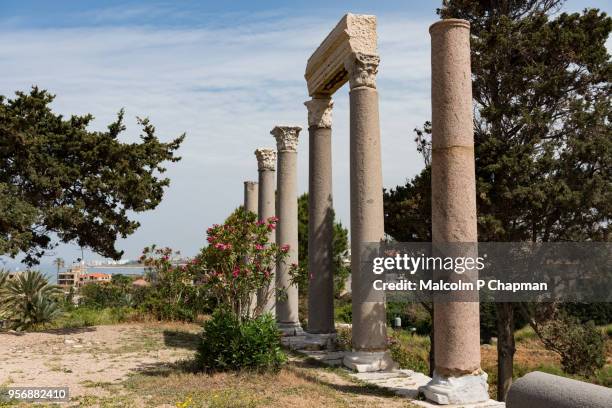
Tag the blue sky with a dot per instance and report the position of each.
(223, 72)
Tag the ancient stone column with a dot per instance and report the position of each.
(266, 164)
(251, 192)
(367, 218)
(320, 223)
(458, 378)
(287, 228)
(251, 198)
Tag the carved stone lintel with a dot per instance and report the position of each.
(266, 159)
(362, 69)
(320, 112)
(286, 137)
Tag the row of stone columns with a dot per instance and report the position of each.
(458, 377)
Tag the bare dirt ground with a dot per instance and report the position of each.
(145, 365)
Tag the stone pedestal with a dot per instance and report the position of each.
(287, 228)
(367, 218)
(266, 164)
(320, 223)
(458, 378)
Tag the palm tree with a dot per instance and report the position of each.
(59, 262)
(29, 299)
(3, 309)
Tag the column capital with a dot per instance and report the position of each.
(286, 137)
(320, 112)
(266, 159)
(362, 69)
(250, 183)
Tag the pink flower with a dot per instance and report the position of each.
(259, 247)
(220, 245)
(272, 219)
(284, 248)
(271, 227)
(294, 265)
(236, 272)
(210, 239)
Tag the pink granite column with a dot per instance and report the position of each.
(266, 164)
(458, 378)
(367, 218)
(287, 229)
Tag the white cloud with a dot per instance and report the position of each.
(226, 87)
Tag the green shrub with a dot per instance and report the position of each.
(344, 338)
(410, 351)
(344, 313)
(581, 346)
(231, 344)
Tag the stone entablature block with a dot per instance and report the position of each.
(325, 71)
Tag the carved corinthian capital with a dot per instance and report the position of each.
(266, 159)
(362, 69)
(320, 112)
(286, 137)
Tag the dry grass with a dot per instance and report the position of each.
(148, 365)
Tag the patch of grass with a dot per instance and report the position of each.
(86, 317)
(410, 351)
(526, 333)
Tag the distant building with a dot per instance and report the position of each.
(86, 278)
(140, 283)
(71, 278)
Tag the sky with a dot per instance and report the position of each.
(225, 73)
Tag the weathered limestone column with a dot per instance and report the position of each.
(251, 193)
(458, 378)
(266, 164)
(320, 223)
(367, 218)
(287, 229)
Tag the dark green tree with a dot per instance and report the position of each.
(541, 88)
(340, 247)
(60, 182)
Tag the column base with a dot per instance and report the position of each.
(368, 361)
(319, 341)
(290, 329)
(466, 389)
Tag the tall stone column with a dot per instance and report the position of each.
(251, 198)
(251, 192)
(367, 218)
(287, 229)
(458, 378)
(320, 223)
(266, 164)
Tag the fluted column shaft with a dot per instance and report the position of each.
(287, 229)
(266, 163)
(320, 218)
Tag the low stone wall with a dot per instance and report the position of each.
(541, 390)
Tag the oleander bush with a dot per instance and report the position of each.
(231, 343)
